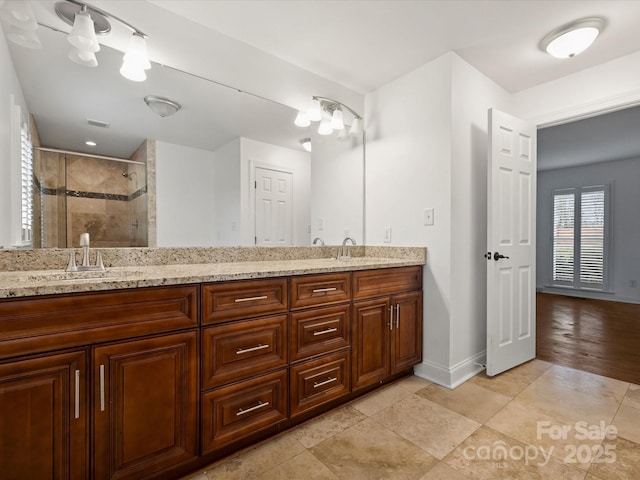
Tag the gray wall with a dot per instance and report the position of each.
(624, 203)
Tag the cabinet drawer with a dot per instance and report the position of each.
(240, 349)
(320, 330)
(236, 411)
(374, 283)
(312, 290)
(316, 382)
(244, 299)
(65, 321)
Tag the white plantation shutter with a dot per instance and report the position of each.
(563, 237)
(579, 237)
(26, 189)
(592, 238)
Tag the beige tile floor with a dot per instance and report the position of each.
(537, 421)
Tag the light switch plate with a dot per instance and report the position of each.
(387, 235)
(321, 224)
(428, 216)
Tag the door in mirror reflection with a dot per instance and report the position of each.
(274, 207)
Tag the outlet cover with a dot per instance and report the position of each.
(387, 235)
(428, 216)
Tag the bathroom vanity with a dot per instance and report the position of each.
(156, 372)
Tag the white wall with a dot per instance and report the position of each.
(9, 86)
(254, 153)
(408, 169)
(337, 198)
(624, 178)
(426, 147)
(184, 193)
(226, 192)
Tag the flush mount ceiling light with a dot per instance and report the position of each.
(87, 22)
(329, 113)
(573, 38)
(306, 143)
(162, 106)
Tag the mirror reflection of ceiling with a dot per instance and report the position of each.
(62, 95)
(608, 137)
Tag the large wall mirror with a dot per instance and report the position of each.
(208, 175)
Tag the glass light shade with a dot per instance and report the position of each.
(302, 119)
(24, 38)
(356, 127)
(325, 126)
(306, 144)
(315, 110)
(82, 35)
(19, 14)
(133, 72)
(573, 42)
(336, 120)
(162, 106)
(86, 59)
(137, 52)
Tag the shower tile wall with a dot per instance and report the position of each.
(77, 194)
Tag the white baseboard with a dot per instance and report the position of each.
(451, 377)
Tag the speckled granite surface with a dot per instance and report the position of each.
(41, 272)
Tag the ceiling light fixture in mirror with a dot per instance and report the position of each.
(329, 113)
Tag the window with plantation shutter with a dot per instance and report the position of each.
(579, 243)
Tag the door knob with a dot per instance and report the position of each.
(497, 256)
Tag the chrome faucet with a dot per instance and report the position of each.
(318, 240)
(345, 248)
(85, 267)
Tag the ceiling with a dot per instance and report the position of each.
(364, 44)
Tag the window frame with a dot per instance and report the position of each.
(576, 283)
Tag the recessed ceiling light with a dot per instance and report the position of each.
(91, 143)
(573, 38)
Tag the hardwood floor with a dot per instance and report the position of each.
(596, 336)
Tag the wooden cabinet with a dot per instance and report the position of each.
(319, 330)
(145, 405)
(44, 417)
(387, 329)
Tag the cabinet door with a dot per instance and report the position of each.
(43, 418)
(370, 347)
(145, 405)
(406, 344)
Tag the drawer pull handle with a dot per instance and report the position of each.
(321, 290)
(328, 380)
(102, 388)
(242, 411)
(252, 349)
(77, 395)
(250, 299)
(323, 332)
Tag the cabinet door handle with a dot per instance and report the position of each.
(102, 388)
(320, 290)
(323, 332)
(398, 315)
(77, 395)
(391, 317)
(242, 411)
(250, 299)
(328, 380)
(252, 349)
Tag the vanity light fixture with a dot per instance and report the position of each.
(572, 38)
(89, 21)
(306, 143)
(22, 23)
(329, 113)
(161, 105)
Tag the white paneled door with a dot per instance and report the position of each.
(511, 221)
(274, 208)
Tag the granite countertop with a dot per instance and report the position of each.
(45, 282)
